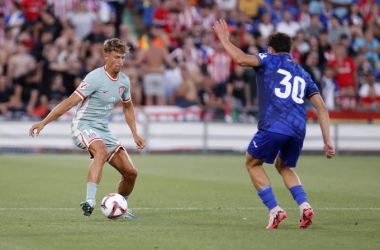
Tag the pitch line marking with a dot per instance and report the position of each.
(189, 208)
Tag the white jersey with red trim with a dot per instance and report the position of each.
(99, 93)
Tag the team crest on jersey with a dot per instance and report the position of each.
(121, 90)
(83, 85)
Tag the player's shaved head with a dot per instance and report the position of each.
(280, 42)
(114, 44)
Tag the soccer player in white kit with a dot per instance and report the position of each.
(95, 98)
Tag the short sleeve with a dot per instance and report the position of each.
(263, 58)
(311, 87)
(126, 95)
(88, 86)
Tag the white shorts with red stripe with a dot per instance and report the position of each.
(89, 134)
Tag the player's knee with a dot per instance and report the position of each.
(131, 175)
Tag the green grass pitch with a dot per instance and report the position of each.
(187, 202)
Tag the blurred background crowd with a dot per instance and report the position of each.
(48, 46)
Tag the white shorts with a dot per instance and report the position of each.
(154, 84)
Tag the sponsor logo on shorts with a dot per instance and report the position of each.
(254, 144)
(92, 135)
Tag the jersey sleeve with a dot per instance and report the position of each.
(311, 87)
(263, 58)
(88, 86)
(126, 95)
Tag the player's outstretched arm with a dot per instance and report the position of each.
(129, 113)
(324, 122)
(221, 29)
(59, 110)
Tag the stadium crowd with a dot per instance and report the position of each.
(48, 46)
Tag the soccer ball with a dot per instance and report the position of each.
(113, 206)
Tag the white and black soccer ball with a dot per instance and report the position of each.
(114, 206)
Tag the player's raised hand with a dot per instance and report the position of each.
(38, 126)
(221, 29)
(329, 150)
(140, 142)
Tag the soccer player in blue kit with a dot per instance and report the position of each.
(282, 87)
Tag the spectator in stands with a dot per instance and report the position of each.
(369, 46)
(330, 89)
(20, 63)
(277, 12)
(288, 26)
(238, 90)
(304, 17)
(212, 105)
(345, 69)
(206, 18)
(314, 29)
(311, 66)
(186, 95)
(345, 41)
(32, 9)
(52, 97)
(337, 30)
(136, 88)
(161, 15)
(370, 92)
(150, 7)
(15, 20)
(265, 27)
(252, 7)
(353, 21)
(326, 14)
(82, 19)
(226, 5)
(219, 68)
(155, 58)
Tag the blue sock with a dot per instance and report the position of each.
(126, 197)
(299, 194)
(267, 196)
(91, 191)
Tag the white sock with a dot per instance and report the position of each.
(91, 202)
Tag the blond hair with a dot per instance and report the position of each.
(114, 44)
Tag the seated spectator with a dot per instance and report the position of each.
(330, 89)
(238, 90)
(212, 105)
(370, 92)
(186, 96)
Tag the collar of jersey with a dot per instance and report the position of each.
(113, 79)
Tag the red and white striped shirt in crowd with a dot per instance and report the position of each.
(193, 55)
(208, 21)
(219, 66)
(61, 8)
(188, 17)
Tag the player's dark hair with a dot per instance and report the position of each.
(114, 44)
(280, 42)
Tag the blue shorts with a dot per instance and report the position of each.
(267, 145)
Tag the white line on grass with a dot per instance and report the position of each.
(188, 208)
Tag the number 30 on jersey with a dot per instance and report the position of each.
(291, 88)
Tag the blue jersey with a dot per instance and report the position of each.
(282, 87)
